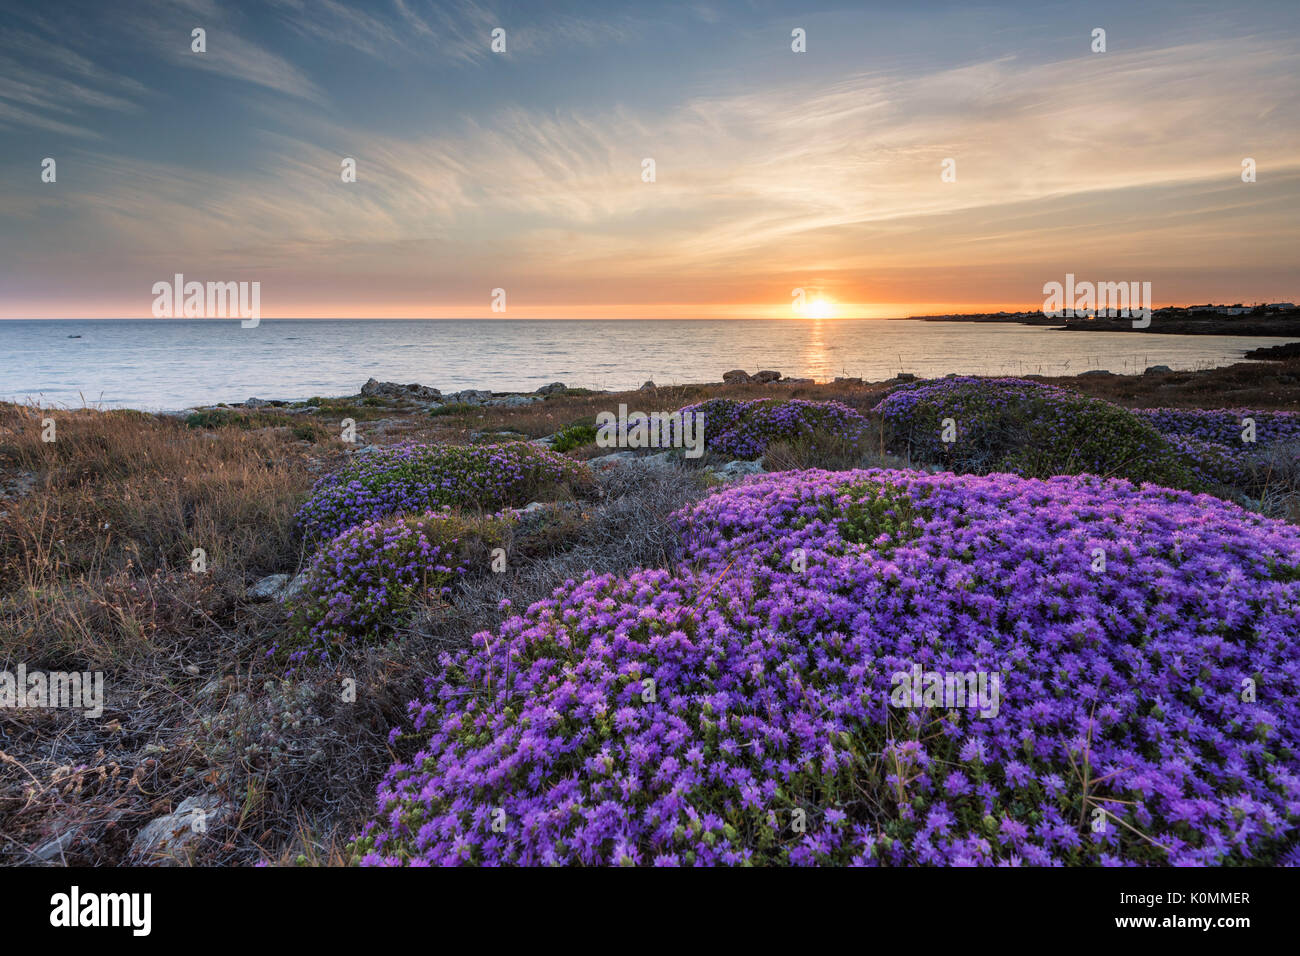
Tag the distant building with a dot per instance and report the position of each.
(1280, 305)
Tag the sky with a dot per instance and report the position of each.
(523, 170)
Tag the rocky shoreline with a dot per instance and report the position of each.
(428, 399)
(431, 399)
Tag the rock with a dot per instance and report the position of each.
(649, 384)
(615, 459)
(54, 849)
(841, 380)
(513, 400)
(798, 381)
(620, 459)
(496, 436)
(1289, 350)
(734, 470)
(552, 388)
(766, 376)
(256, 403)
(736, 376)
(909, 377)
(470, 396)
(1095, 372)
(268, 587)
(164, 839)
(277, 587)
(377, 389)
(1158, 370)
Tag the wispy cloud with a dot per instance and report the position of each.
(457, 32)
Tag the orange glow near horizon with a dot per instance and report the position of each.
(819, 308)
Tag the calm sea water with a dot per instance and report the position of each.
(173, 364)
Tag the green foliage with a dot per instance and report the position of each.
(1029, 429)
(574, 436)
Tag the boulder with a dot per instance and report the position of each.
(766, 376)
(798, 381)
(512, 401)
(553, 388)
(735, 377)
(909, 377)
(419, 393)
(649, 384)
(1158, 370)
(842, 380)
(1095, 372)
(470, 396)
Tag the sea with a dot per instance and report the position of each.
(172, 364)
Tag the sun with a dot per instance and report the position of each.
(820, 309)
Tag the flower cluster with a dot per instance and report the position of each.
(1146, 643)
(1213, 464)
(990, 425)
(363, 583)
(744, 429)
(414, 478)
(1226, 426)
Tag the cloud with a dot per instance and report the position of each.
(458, 32)
(1127, 157)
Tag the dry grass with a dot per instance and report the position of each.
(1258, 385)
(96, 534)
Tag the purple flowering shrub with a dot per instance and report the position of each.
(1214, 464)
(415, 478)
(1027, 428)
(362, 585)
(742, 709)
(1223, 426)
(744, 429)
(1213, 442)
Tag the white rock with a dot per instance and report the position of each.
(734, 470)
(277, 587)
(54, 849)
(268, 587)
(164, 839)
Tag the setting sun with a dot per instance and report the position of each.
(820, 309)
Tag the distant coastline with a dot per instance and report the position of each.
(1281, 320)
